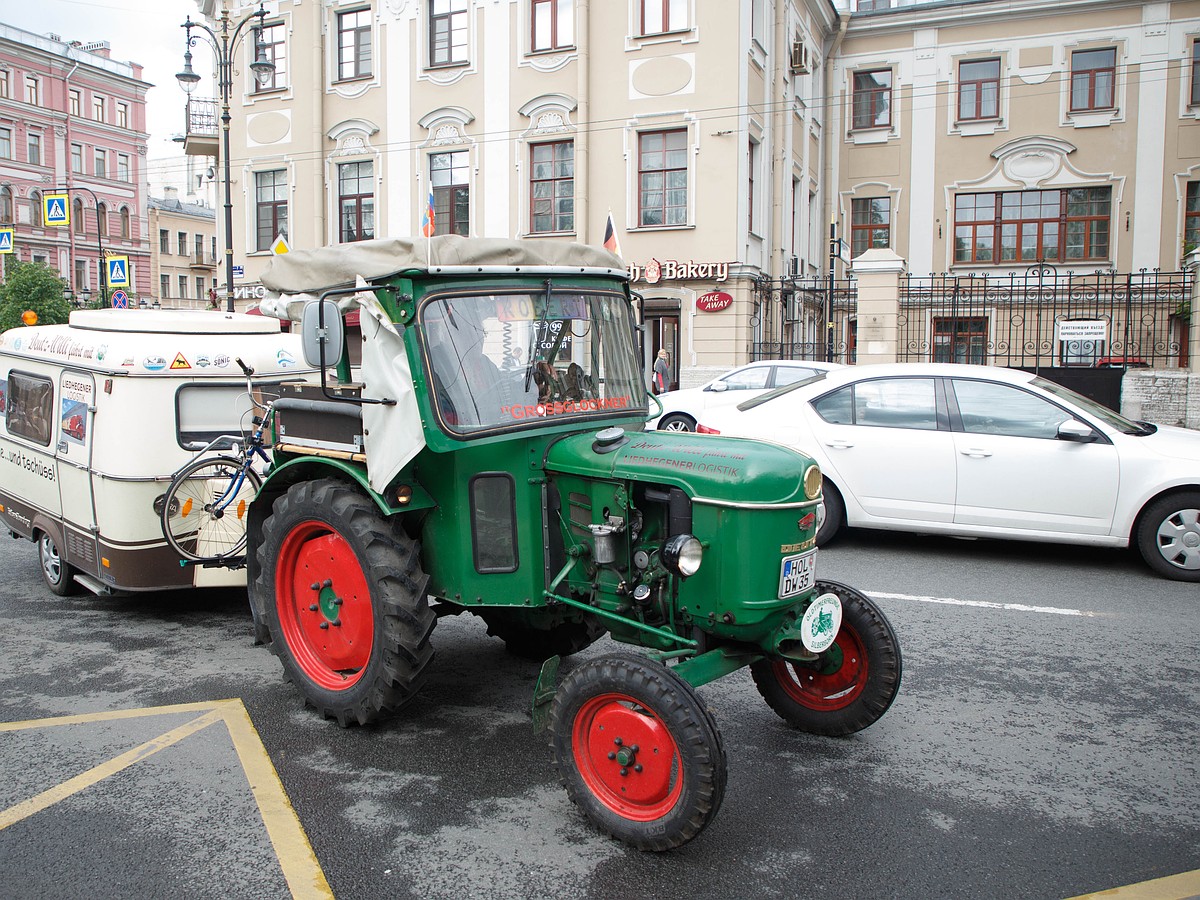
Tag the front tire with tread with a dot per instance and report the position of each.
(1168, 536)
(343, 599)
(637, 751)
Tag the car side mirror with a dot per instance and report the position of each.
(718, 387)
(1074, 430)
(321, 333)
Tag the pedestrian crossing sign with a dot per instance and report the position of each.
(118, 271)
(56, 209)
(6, 240)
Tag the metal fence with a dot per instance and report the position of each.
(1037, 318)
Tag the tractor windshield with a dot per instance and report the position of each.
(499, 361)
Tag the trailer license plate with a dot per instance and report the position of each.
(799, 573)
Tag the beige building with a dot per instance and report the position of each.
(183, 252)
(723, 139)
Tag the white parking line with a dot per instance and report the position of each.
(985, 604)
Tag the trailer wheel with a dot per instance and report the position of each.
(637, 751)
(58, 575)
(854, 683)
(529, 642)
(344, 600)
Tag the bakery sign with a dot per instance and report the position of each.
(657, 270)
(713, 301)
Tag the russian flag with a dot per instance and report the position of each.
(427, 224)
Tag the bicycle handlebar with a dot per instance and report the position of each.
(248, 370)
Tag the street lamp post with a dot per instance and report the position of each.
(224, 45)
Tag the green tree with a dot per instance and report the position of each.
(35, 286)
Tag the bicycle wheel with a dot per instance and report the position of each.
(204, 509)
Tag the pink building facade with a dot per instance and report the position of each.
(73, 121)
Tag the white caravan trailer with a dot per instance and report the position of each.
(99, 413)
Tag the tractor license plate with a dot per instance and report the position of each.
(799, 573)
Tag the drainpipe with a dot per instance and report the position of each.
(583, 125)
(829, 143)
(781, 176)
(319, 138)
(70, 173)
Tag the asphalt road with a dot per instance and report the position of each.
(1036, 752)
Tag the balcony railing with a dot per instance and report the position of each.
(201, 117)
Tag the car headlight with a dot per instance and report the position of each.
(682, 554)
(812, 482)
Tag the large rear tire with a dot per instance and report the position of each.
(344, 601)
(852, 685)
(637, 751)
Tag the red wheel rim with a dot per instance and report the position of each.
(614, 734)
(826, 692)
(330, 641)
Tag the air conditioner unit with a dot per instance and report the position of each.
(800, 62)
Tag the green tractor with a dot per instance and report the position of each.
(487, 455)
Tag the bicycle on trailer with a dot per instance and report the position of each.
(203, 512)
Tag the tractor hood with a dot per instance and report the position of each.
(708, 468)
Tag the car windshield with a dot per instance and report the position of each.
(1103, 413)
(518, 359)
(780, 391)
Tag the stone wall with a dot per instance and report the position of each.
(1164, 396)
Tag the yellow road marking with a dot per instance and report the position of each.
(299, 863)
(1184, 886)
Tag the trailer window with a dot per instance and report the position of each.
(29, 412)
(204, 412)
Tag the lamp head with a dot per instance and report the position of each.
(188, 79)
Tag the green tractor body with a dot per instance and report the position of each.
(488, 456)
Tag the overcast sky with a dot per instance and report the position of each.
(146, 32)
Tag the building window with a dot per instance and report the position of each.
(6, 150)
(34, 146)
(199, 287)
(77, 158)
(33, 91)
(102, 218)
(6, 204)
(35, 208)
(870, 224)
(447, 32)
(552, 23)
(198, 248)
(979, 89)
(354, 44)
(356, 201)
(76, 103)
(99, 158)
(182, 287)
(122, 114)
(181, 243)
(81, 274)
(99, 105)
(662, 177)
(1032, 226)
(122, 167)
(662, 16)
(552, 187)
(274, 38)
(960, 339)
(5, 84)
(1195, 94)
(164, 241)
(751, 166)
(77, 215)
(164, 286)
(1093, 73)
(873, 99)
(1191, 218)
(451, 192)
(126, 229)
(270, 207)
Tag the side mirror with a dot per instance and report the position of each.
(718, 386)
(321, 333)
(1074, 430)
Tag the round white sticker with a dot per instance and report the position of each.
(821, 622)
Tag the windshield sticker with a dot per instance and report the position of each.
(565, 407)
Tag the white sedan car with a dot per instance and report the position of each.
(984, 451)
(682, 409)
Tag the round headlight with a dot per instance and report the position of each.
(682, 554)
(812, 482)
